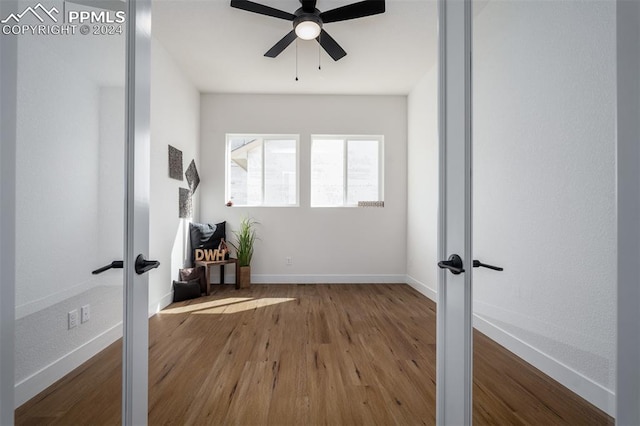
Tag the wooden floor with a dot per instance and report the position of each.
(305, 354)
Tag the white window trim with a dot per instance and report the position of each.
(264, 137)
(345, 165)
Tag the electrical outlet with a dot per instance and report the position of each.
(85, 313)
(289, 260)
(72, 316)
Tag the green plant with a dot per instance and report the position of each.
(245, 237)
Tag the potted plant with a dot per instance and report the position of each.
(245, 237)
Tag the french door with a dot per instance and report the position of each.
(553, 54)
(75, 200)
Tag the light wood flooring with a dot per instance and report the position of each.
(305, 355)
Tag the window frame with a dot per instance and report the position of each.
(345, 166)
(265, 137)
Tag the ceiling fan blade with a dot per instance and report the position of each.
(331, 46)
(261, 9)
(115, 5)
(353, 11)
(281, 45)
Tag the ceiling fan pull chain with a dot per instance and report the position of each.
(319, 52)
(296, 59)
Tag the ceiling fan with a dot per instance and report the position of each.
(308, 22)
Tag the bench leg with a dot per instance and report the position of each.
(208, 275)
(221, 274)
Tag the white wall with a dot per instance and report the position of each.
(422, 185)
(326, 244)
(544, 187)
(175, 121)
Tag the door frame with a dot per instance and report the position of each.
(135, 339)
(137, 166)
(628, 209)
(454, 336)
(8, 114)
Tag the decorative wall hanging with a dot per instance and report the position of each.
(185, 205)
(192, 176)
(175, 163)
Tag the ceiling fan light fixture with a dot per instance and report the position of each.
(308, 21)
(308, 29)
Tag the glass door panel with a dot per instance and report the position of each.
(544, 207)
(69, 208)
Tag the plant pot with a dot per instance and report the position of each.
(244, 281)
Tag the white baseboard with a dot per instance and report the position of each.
(160, 304)
(327, 279)
(49, 300)
(586, 388)
(40, 380)
(593, 392)
(44, 302)
(422, 288)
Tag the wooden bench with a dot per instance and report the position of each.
(207, 267)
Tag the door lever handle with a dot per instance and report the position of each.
(453, 264)
(143, 265)
(478, 264)
(116, 264)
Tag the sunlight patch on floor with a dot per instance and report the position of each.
(246, 306)
(230, 305)
(204, 305)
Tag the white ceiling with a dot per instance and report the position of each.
(221, 48)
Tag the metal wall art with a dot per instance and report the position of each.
(185, 204)
(175, 163)
(192, 176)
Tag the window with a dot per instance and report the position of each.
(262, 170)
(346, 170)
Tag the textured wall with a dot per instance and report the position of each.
(325, 243)
(544, 182)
